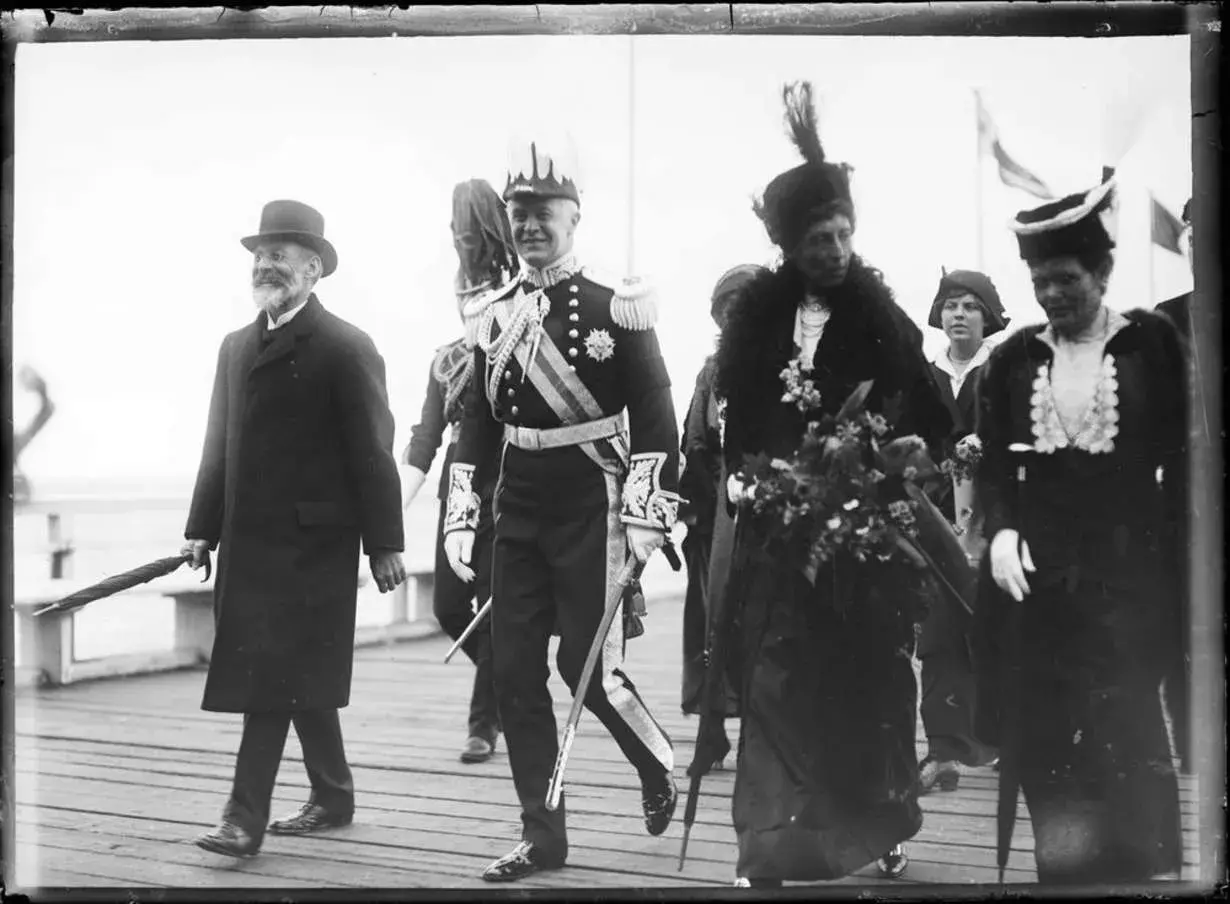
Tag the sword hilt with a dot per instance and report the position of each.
(556, 789)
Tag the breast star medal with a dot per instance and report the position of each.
(599, 345)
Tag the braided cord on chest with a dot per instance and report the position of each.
(453, 369)
(527, 316)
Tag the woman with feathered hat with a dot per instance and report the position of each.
(1083, 485)
(827, 778)
(487, 267)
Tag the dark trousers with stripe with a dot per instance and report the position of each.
(260, 755)
(555, 554)
(453, 606)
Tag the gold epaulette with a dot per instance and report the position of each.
(635, 305)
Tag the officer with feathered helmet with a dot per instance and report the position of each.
(569, 371)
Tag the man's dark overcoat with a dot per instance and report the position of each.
(297, 468)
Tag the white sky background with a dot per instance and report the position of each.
(140, 165)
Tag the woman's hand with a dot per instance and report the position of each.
(737, 490)
(1008, 566)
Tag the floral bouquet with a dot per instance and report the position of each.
(845, 493)
(965, 459)
(962, 467)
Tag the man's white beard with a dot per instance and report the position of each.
(270, 299)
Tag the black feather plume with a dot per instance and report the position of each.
(801, 120)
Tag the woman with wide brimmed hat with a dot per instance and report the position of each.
(1083, 615)
(827, 775)
(487, 267)
(968, 309)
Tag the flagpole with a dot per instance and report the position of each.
(631, 152)
(979, 166)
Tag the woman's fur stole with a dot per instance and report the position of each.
(868, 337)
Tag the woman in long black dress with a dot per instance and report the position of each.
(706, 549)
(827, 777)
(487, 263)
(1083, 482)
(968, 309)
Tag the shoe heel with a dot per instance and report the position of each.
(949, 782)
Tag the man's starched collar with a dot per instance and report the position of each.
(564, 268)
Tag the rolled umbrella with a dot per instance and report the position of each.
(120, 582)
(713, 692)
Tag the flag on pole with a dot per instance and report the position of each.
(1011, 173)
(1166, 226)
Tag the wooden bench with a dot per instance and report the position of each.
(46, 642)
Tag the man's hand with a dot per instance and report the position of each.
(642, 541)
(387, 570)
(199, 550)
(1008, 567)
(459, 547)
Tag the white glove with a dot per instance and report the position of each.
(1008, 567)
(643, 541)
(737, 490)
(459, 547)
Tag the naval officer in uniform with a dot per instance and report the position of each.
(569, 371)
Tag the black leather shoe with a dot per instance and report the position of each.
(892, 865)
(523, 861)
(658, 800)
(229, 840)
(934, 773)
(477, 750)
(310, 818)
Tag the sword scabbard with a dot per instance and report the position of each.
(556, 790)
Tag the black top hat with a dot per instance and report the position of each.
(1077, 224)
(977, 284)
(297, 222)
(791, 199)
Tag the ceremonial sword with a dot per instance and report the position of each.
(668, 550)
(632, 568)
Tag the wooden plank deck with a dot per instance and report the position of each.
(115, 777)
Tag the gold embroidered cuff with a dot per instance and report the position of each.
(462, 503)
(645, 503)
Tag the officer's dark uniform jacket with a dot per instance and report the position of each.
(590, 446)
(608, 348)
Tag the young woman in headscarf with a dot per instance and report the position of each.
(969, 311)
(487, 266)
(1083, 484)
(701, 484)
(827, 775)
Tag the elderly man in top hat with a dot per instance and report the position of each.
(297, 471)
(569, 371)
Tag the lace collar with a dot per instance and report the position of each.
(564, 268)
(1096, 431)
